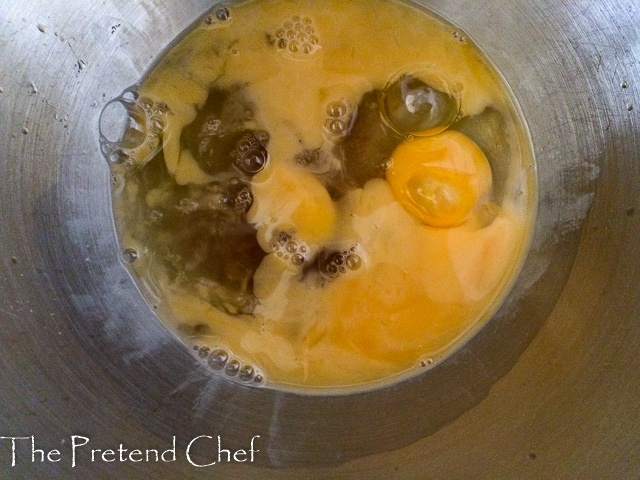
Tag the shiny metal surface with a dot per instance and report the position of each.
(549, 388)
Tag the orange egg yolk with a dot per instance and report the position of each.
(439, 180)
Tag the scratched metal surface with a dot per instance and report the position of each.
(549, 389)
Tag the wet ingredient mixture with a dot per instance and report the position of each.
(321, 195)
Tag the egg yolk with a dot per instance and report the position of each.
(290, 199)
(439, 180)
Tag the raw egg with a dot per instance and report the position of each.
(440, 180)
(301, 210)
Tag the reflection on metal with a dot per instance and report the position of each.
(548, 389)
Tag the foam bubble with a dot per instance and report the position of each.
(333, 264)
(354, 262)
(223, 14)
(292, 250)
(130, 128)
(232, 368)
(296, 36)
(218, 359)
(337, 109)
(130, 255)
(246, 373)
(250, 154)
(420, 102)
(118, 157)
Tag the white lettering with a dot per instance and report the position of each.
(243, 455)
(122, 451)
(13, 446)
(110, 453)
(220, 450)
(252, 450)
(171, 451)
(35, 450)
(75, 445)
(156, 454)
(136, 453)
(189, 452)
(53, 453)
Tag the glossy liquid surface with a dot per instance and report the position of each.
(322, 195)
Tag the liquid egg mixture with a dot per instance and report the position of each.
(318, 195)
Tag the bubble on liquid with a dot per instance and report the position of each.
(333, 264)
(232, 368)
(336, 127)
(130, 96)
(253, 161)
(339, 117)
(296, 36)
(223, 14)
(308, 157)
(426, 362)
(250, 154)
(246, 373)
(218, 359)
(258, 379)
(160, 108)
(337, 109)
(243, 200)
(290, 249)
(105, 147)
(419, 102)
(131, 126)
(130, 255)
(354, 262)
(204, 352)
(157, 125)
(146, 103)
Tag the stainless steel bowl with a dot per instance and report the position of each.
(548, 389)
